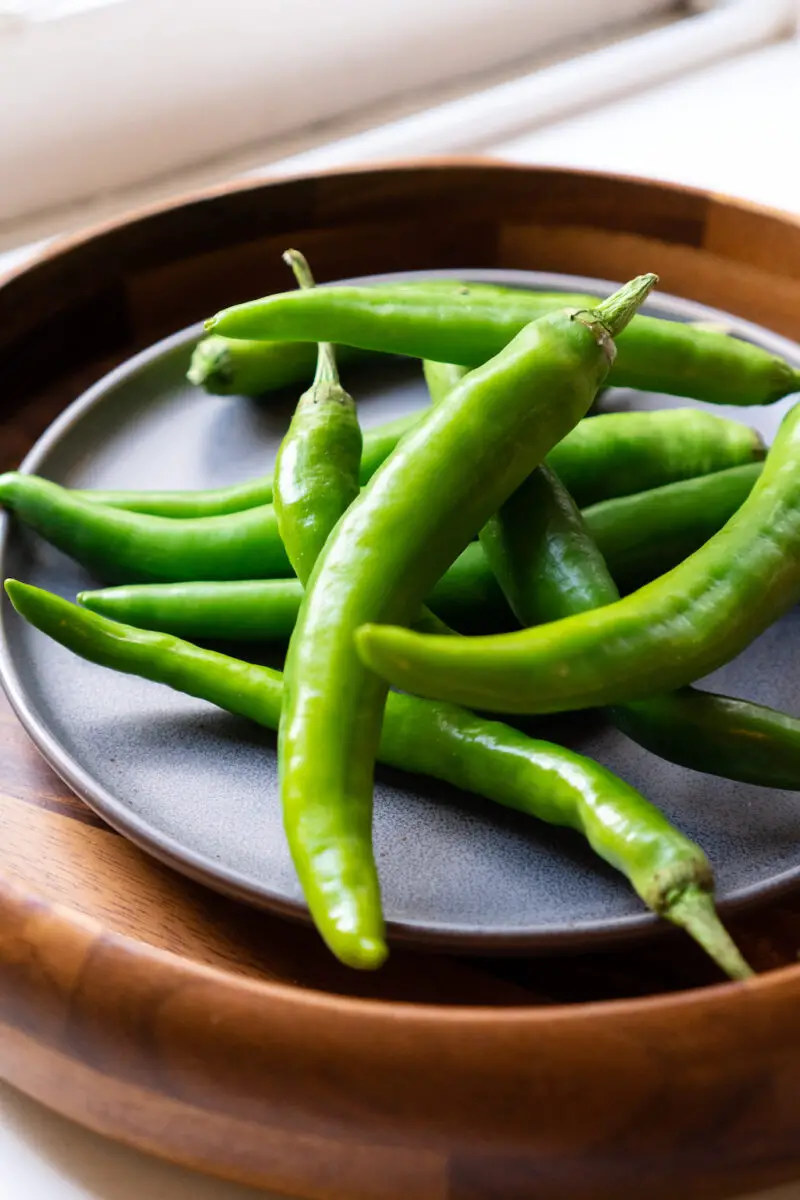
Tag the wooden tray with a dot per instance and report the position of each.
(155, 1012)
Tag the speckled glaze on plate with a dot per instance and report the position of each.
(197, 788)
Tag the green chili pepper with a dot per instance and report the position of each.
(467, 597)
(442, 377)
(253, 493)
(543, 554)
(379, 563)
(317, 468)
(669, 872)
(638, 454)
(129, 546)
(734, 739)
(237, 367)
(640, 537)
(610, 455)
(468, 327)
(632, 452)
(247, 610)
(669, 633)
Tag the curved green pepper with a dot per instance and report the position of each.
(448, 743)
(639, 537)
(238, 367)
(318, 463)
(468, 327)
(645, 450)
(385, 554)
(550, 567)
(669, 633)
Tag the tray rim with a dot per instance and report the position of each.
(588, 935)
(52, 1036)
(63, 246)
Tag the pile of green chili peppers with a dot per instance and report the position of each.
(501, 551)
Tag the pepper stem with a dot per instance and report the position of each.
(327, 371)
(694, 911)
(615, 312)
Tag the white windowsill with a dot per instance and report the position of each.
(368, 122)
(197, 79)
(731, 128)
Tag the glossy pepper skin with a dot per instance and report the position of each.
(378, 443)
(549, 566)
(448, 743)
(661, 637)
(237, 367)
(379, 563)
(317, 467)
(719, 735)
(467, 597)
(130, 547)
(638, 452)
(442, 377)
(624, 453)
(542, 556)
(468, 328)
(318, 463)
(612, 454)
(640, 537)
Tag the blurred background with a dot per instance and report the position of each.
(108, 104)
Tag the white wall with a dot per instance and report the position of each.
(119, 94)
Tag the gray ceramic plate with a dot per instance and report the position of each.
(197, 788)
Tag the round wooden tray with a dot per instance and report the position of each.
(156, 1012)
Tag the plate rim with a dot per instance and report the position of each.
(585, 935)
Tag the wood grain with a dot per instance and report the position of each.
(160, 1014)
(736, 287)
